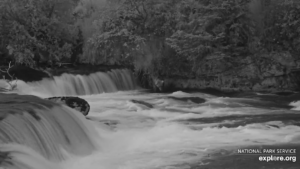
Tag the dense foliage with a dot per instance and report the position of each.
(169, 38)
(195, 38)
(35, 31)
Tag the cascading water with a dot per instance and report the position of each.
(71, 85)
(43, 127)
(34, 132)
(139, 130)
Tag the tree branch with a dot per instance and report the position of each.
(9, 82)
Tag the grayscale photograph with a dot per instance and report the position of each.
(149, 84)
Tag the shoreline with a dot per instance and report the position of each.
(169, 84)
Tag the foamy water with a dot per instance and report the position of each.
(75, 85)
(296, 105)
(136, 137)
(158, 131)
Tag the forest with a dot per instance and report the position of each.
(243, 44)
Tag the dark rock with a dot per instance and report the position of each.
(143, 103)
(197, 100)
(74, 102)
(5, 159)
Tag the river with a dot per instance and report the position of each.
(131, 128)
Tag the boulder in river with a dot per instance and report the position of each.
(76, 103)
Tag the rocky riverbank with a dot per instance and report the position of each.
(264, 74)
(279, 81)
(234, 83)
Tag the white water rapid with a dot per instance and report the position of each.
(71, 85)
(129, 128)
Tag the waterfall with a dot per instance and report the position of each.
(43, 129)
(70, 85)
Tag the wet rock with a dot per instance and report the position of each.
(74, 102)
(143, 103)
(5, 159)
(197, 100)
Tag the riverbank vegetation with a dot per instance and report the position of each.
(231, 43)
